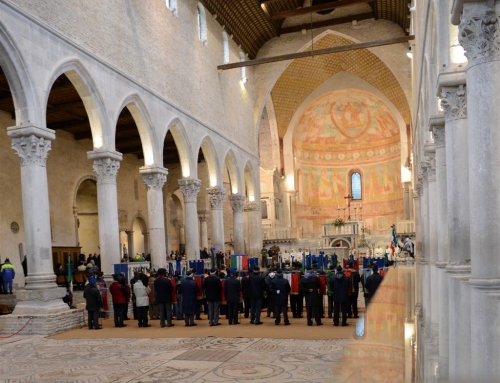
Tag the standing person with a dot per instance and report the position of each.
(141, 291)
(154, 312)
(257, 286)
(8, 274)
(354, 279)
(132, 283)
(408, 247)
(372, 283)
(189, 291)
(311, 288)
(329, 275)
(247, 292)
(163, 291)
(178, 294)
(280, 288)
(340, 286)
(93, 302)
(270, 297)
(120, 293)
(232, 288)
(213, 289)
(219, 257)
(297, 300)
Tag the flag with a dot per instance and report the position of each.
(70, 270)
(394, 240)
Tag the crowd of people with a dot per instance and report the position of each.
(224, 292)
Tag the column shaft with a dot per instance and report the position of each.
(216, 197)
(130, 240)
(203, 230)
(237, 202)
(190, 188)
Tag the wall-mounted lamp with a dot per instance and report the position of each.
(409, 53)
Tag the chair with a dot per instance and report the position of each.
(61, 280)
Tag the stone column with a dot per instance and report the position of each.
(147, 243)
(216, 197)
(480, 37)
(190, 188)
(106, 165)
(154, 178)
(130, 240)
(202, 217)
(454, 104)
(41, 295)
(237, 202)
(293, 207)
(254, 246)
(438, 132)
(406, 200)
(182, 238)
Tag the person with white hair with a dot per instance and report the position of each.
(408, 247)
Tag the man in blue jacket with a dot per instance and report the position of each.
(280, 288)
(340, 286)
(8, 275)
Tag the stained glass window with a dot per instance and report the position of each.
(356, 186)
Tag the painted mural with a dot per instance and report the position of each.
(342, 132)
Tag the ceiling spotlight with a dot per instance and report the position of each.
(409, 53)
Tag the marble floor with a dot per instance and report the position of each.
(181, 360)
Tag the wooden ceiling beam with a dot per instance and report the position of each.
(316, 8)
(298, 55)
(65, 107)
(327, 23)
(68, 125)
(268, 1)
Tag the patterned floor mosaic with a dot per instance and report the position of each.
(180, 360)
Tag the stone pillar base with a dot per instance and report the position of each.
(40, 302)
(42, 324)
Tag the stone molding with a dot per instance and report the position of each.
(454, 102)
(32, 150)
(490, 286)
(479, 35)
(441, 264)
(251, 206)
(438, 133)
(106, 170)
(154, 181)
(237, 202)
(216, 196)
(190, 188)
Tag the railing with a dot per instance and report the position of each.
(349, 228)
(281, 233)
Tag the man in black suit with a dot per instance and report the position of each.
(213, 289)
(257, 288)
(232, 288)
(163, 292)
(372, 283)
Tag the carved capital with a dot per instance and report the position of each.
(416, 194)
(237, 202)
(216, 196)
(32, 150)
(154, 181)
(189, 188)
(251, 206)
(429, 166)
(454, 102)
(438, 133)
(479, 36)
(202, 217)
(106, 170)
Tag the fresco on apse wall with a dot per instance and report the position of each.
(341, 132)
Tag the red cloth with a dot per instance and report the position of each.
(199, 281)
(174, 290)
(222, 295)
(322, 284)
(295, 283)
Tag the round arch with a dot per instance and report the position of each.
(92, 101)
(232, 168)
(182, 143)
(20, 84)
(142, 220)
(79, 182)
(140, 115)
(209, 152)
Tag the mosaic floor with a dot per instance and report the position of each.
(180, 360)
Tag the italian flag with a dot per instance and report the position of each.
(239, 262)
(394, 240)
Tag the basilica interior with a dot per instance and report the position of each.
(306, 127)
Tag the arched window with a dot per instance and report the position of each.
(202, 24)
(225, 46)
(172, 5)
(356, 186)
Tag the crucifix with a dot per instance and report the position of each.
(349, 198)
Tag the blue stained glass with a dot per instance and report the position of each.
(356, 186)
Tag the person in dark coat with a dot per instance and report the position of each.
(372, 283)
(270, 297)
(120, 292)
(93, 299)
(340, 286)
(247, 292)
(257, 288)
(355, 278)
(310, 286)
(213, 289)
(232, 288)
(163, 291)
(280, 288)
(189, 291)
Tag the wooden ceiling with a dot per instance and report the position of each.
(253, 22)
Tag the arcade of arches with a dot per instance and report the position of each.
(122, 137)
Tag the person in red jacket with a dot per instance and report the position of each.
(121, 296)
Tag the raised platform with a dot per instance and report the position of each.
(44, 324)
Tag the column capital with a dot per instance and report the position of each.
(32, 150)
(438, 132)
(251, 206)
(429, 167)
(216, 196)
(237, 202)
(454, 102)
(190, 188)
(154, 177)
(106, 170)
(202, 217)
(479, 34)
